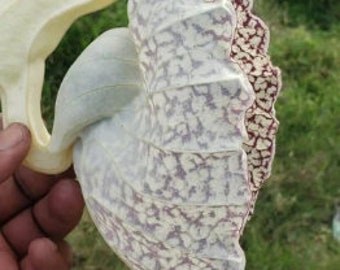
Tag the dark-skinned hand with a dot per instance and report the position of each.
(36, 211)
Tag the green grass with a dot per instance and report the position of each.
(291, 228)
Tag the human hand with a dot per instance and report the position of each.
(36, 211)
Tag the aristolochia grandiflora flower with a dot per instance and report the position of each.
(171, 122)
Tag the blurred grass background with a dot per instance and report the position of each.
(291, 228)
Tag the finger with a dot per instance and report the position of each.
(14, 145)
(7, 257)
(61, 210)
(53, 216)
(1, 124)
(20, 191)
(43, 254)
(12, 200)
(34, 184)
(20, 231)
(7, 261)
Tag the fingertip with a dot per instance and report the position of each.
(43, 254)
(14, 135)
(66, 201)
(42, 245)
(61, 210)
(15, 142)
(37, 253)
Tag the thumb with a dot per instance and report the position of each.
(14, 145)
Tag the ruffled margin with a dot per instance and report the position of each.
(250, 51)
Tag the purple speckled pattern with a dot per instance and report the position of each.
(166, 177)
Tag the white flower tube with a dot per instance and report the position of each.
(29, 31)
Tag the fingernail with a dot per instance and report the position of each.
(12, 136)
